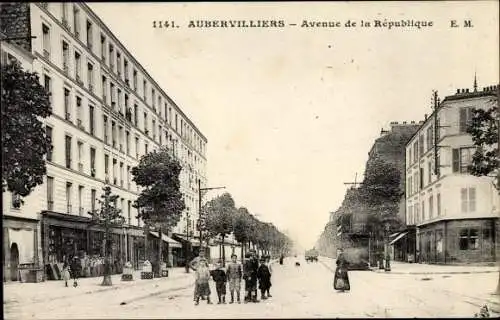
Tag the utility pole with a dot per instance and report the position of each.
(355, 183)
(200, 216)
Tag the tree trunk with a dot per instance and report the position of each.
(106, 281)
(223, 252)
(146, 242)
(497, 292)
(242, 250)
(160, 252)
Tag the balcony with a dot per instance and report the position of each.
(68, 208)
(46, 54)
(89, 45)
(105, 139)
(92, 171)
(121, 147)
(112, 66)
(113, 104)
(68, 116)
(79, 124)
(115, 181)
(114, 143)
(81, 211)
(44, 5)
(77, 34)
(91, 88)
(127, 81)
(121, 183)
(68, 163)
(80, 166)
(78, 79)
(106, 178)
(146, 131)
(65, 68)
(50, 205)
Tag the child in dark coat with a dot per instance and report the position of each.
(219, 276)
(264, 276)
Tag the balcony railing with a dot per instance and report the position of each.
(66, 24)
(115, 181)
(92, 172)
(79, 123)
(91, 87)
(68, 116)
(65, 68)
(68, 208)
(121, 183)
(46, 53)
(81, 211)
(80, 166)
(78, 79)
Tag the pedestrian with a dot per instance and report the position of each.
(234, 275)
(264, 277)
(341, 278)
(269, 265)
(250, 275)
(202, 288)
(66, 272)
(219, 276)
(281, 259)
(75, 268)
(194, 265)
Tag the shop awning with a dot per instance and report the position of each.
(398, 237)
(194, 243)
(167, 239)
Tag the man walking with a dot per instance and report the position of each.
(194, 265)
(234, 275)
(250, 273)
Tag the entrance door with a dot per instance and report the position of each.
(14, 262)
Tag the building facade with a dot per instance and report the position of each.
(455, 214)
(107, 112)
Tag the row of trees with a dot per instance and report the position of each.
(223, 218)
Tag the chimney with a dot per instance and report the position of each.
(458, 91)
(467, 90)
(404, 122)
(413, 122)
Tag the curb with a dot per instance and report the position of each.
(99, 290)
(429, 273)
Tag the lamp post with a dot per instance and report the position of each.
(188, 247)
(200, 189)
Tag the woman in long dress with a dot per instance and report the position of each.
(341, 279)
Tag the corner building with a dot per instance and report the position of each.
(456, 214)
(107, 113)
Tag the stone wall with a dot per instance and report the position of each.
(15, 22)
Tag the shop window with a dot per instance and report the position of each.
(469, 239)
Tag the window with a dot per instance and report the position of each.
(421, 145)
(429, 172)
(105, 128)
(80, 155)
(119, 98)
(165, 111)
(127, 142)
(65, 49)
(104, 86)
(160, 134)
(415, 182)
(430, 137)
(80, 200)
(89, 35)
(461, 159)
(111, 56)
(68, 151)
(50, 193)
(415, 151)
(410, 215)
(47, 84)
(120, 137)
(78, 67)
(91, 119)
(468, 239)
(48, 132)
(144, 88)
(135, 115)
(79, 112)
(92, 162)
(410, 158)
(64, 9)
(137, 147)
(153, 101)
(76, 21)
(68, 197)
(46, 40)
(465, 117)
(115, 174)
(154, 129)
(468, 199)
(103, 48)
(106, 164)
(134, 79)
(431, 207)
(438, 200)
(421, 175)
(423, 210)
(415, 212)
(92, 200)
(170, 115)
(128, 177)
(121, 174)
(118, 64)
(113, 133)
(125, 72)
(90, 76)
(146, 148)
(112, 94)
(129, 204)
(146, 123)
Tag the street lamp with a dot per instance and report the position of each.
(187, 241)
(200, 189)
(387, 254)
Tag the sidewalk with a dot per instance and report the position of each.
(420, 268)
(22, 293)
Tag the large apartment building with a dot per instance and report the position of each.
(107, 113)
(455, 214)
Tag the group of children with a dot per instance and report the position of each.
(232, 274)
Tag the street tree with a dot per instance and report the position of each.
(160, 202)
(240, 228)
(485, 132)
(108, 216)
(24, 103)
(219, 217)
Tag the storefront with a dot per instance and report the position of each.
(459, 241)
(190, 249)
(168, 247)
(21, 251)
(65, 236)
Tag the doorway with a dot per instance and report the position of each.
(14, 262)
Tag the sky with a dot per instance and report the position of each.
(291, 113)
